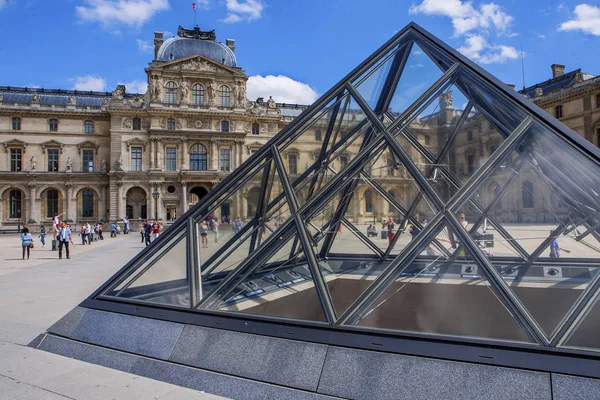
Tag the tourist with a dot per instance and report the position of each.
(463, 221)
(204, 234)
(390, 230)
(371, 231)
(216, 230)
(142, 233)
(82, 232)
(555, 249)
(90, 233)
(26, 241)
(113, 230)
(156, 229)
(125, 225)
(414, 228)
(147, 232)
(43, 235)
(99, 227)
(64, 238)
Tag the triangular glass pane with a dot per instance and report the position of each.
(419, 74)
(585, 334)
(443, 296)
(160, 279)
(277, 289)
(346, 242)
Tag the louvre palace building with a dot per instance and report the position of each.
(101, 156)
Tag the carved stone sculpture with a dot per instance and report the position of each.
(185, 91)
(156, 89)
(256, 109)
(35, 99)
(72, 100)
(271, 103)
(32, 163)
(105, 102)
(162, 123)
(119, 92)
(446, 100)
(69, 165)
(178, 124)
(539, 92)
(241, 96)
(212, 93)
(1, 98)
(120, 163)
(103, 165)
(127, 123)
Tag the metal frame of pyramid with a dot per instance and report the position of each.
(382, 130)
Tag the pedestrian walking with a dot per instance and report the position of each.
(26, 241)
(82, 232)
(204, 234)
(147, 232)
(90, 233)
(390, 230)
(64, 238)
(414, 228)
(156, 229)
(555, 249)
(43, 236)
(216, 230)
(100, 228)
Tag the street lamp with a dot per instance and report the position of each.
(155, 195)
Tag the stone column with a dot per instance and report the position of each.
(151, 209)
(184, 203)
(152, 153)
(70, 211)
(214, 150)
(244, 205)
(184, 155)
(32, 212)
(120, 205)
(160, 152)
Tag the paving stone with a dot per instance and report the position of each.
(565, 387)
(67, 324)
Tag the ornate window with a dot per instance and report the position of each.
(224, 96)
(171, 93)
(137, 124)
(368, 201)
(558, 111)
(198, 94)
(224, 126)
(225, 160)
(88, 160)
(53, 125)
(198, 158)
(256, 128)
(53, 160)
(171, 154)
(14, 204)
(88, 126)
(318, 137)
(136, 158)
(51, 202)
(16, 124)
(87, 203)
(16, 158)
(293, 163)
(527, 194)
(171, 124)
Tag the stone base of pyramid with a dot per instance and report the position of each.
(251, 366)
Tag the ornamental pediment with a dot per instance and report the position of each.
(52, 143)
(14, 143)
(136, 141)
(197, 63)
(88, 144)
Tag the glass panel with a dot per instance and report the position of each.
(585, 334)
(162, 279)
(444, 297)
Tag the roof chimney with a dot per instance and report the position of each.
(158, 41)
(557, 70)
(231, 44)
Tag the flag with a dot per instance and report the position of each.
(194, 6)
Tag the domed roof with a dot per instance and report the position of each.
(192, 42)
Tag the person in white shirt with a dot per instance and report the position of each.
(56, 224)
(89, 232)
(64, 238)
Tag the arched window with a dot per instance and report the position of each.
(224, 96)
(224, 126)
(88, 126)
(198, 94)
(368, 201)
(16, 124)
(51, 202)
(137, 124)
(256, 128)
(198, 158)
(171, 124)
(53, 125)
(87, 203)
(14, 204)
(527, 194)
(171, 93)
(318, 136)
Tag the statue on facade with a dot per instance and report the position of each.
(212, 92)
(185, 91)
(72, 100)
(69, 164)
(103, 165)
(1, 98)
(120, 163)
(271, 103)
(127, 123)
(156, 89)
(446, 100)
(32, 163)
(105, 102)
(241, 94)
(35, 99)
(119, 92)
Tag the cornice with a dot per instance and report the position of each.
(54, 112)
(567, 95)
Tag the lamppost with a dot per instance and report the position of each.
(155, 195)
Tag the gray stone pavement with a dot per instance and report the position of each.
(36, 293)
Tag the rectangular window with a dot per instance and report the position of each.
(88, 127)
(88, 160)
(16, 124)
(137, 124)
(598, 101)
(53, 125)
(224, 126)
(15, 159)
(293, 164)
(256, 128)
(171, 158)
(52, 160)
(558, 111)
(471, 163)
(136, 158)
(225, 160)
(470, 136)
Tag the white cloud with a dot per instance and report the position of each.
(587, 20)
(478, 49)
(3, 3)
(282, 88)
(465, 17)
(240, 10)
(541, 36)
(90, 82)
(144, 46)
(127, 12)
(135, 86)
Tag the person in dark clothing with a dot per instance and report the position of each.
(414, 228)
(147, 232)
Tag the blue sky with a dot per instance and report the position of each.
(292, 49)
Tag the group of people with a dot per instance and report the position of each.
(211, 224)
(88, 232)
(150, 230)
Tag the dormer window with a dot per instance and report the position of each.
(171, 93)
(53, 125)
(224, 96)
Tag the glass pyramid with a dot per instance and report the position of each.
(436, 203)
